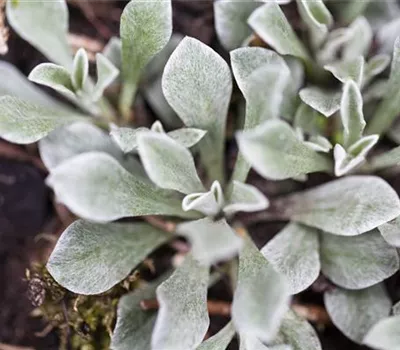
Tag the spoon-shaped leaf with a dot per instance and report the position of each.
(121, 194)
(182, 320)
(91, 258)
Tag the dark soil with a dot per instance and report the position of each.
(26, 207)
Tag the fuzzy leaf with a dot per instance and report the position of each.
(354, 312)
(146, 27)
(270, 23)
(197, 84)
(24, 122)
(231, 21)
(134, 326)
(396, 309)
(91, 258)
(113, 52)
(126, 138)
(351, 112)
(325, 102)
(317, 17)
(360, 39)
(55, 77)
(319, 143)
(376, 65)
(357, 262)
(219, 341)
(212, 241)
(168, 164)
(252, 67)
(209, 203)
(391, 232)
(187, 137)
(291, 98)
(121, 194)
(245, 198)
(344, 70)
(309, 120)
(44, 24)
(80, 70)
(14, 83)
(384, 335)
(387, 110)
(346, 207)
(106, 74)
(275, 152)
(294, 252)
(258, 284)
(186, 290)
(66, 142)
(298, 333)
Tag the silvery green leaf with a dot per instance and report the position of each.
(146, 27)
(378, 13)
(80, 137)
(351, 69)
(55, 77)
(275, 152)
(360, 39)
(252, 67)
(44, 24)
(80, 70)
(14, 83)
(396, 309)
(246, 198)
(354, 312)
(375, 91)
(317, 17)
(152, 87)
(270, 23)
(209, 203)
(345, 161)
(319, 143)
(291, 99)
(182, 320)
(24, 122)
(294, 252)
(168, 164)
(121, 194)
(187, 137)
(231, 21)
(298, 333)
(352, 113)
(385, 334)
(335, 41)
(113, 52)
(212, 241)
(376, 65)
(220, 340)
(357, 262)
(346, 207)
(391, 232)
(91, 258)
(347, 11)
(324, 101)
(387, 34)
(309, 120)
(201, 102)
(126, 138)
(251, 343)
(387, 110)
(106, 74)
(134, 325)
(258, 284)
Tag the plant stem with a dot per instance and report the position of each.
(126, 99)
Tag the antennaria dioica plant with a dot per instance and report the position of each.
(315, 97)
